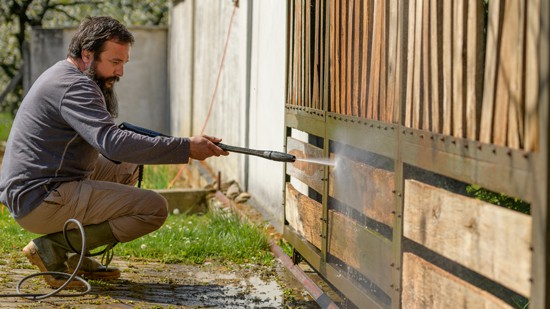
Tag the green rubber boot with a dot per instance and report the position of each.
(51, 253)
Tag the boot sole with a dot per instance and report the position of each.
(31, 252)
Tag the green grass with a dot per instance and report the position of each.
(182, 239)
(13, 236)
(197, 239)
(160, 176)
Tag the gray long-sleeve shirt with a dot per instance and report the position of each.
(56, 136)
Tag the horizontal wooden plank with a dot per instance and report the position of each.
(309, 173)
(363, 187)
(305, 119)
(471, 162)
(491, 240)
(304, 215)
(427, 286)
(345, 285)
(368, 253)
(374, 136)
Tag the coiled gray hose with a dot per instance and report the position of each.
(45, 273)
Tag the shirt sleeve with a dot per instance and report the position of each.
(83, 108)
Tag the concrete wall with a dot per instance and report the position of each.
(142, 92)
(248, 110)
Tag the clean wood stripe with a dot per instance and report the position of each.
(364, 188)
(309, 173)
(365, 251)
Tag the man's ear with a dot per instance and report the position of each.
(87, 57)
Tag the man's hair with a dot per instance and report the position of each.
(93, 32)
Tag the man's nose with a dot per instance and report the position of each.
(119, 70)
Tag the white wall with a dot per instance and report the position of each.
(249, 107)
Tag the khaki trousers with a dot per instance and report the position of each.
(108, 195)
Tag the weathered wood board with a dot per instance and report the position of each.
(309, 173)
(304, 215)
(363, 187)
(489, 239)
(427, 286)
(361, 249)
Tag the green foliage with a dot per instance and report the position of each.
(5, 125)
(498, 199)
(158, 176)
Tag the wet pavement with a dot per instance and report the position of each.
(149, 284)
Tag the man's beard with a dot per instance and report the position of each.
(109, 94)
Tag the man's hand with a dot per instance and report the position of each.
(202, 147)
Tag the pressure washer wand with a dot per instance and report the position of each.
(266, 154)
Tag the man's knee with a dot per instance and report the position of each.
(157, 208)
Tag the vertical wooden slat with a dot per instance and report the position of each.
(318, 47)
(333, 64)
(473, 65)
(383, 61)
(375, 60)
(343, 55)
(532, 75)
(326, 10)
(294, 55)
(417, 94)
(307, 54)
(299, 58)
(338, 63)
(515, 134)
(356, 58)
(505, 68)
(458, 68)
(398, 63)
(365, 58)
(349, 57)
(291, 54)
(434, 65)
(489, 84)
(392, 61)
(410, 64)
(448, 65)
(425, 60)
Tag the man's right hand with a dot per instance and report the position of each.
(202, 147)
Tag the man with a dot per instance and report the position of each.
(57, 164)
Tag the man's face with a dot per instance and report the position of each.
(108, 69)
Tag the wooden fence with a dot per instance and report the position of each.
(419, 103)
